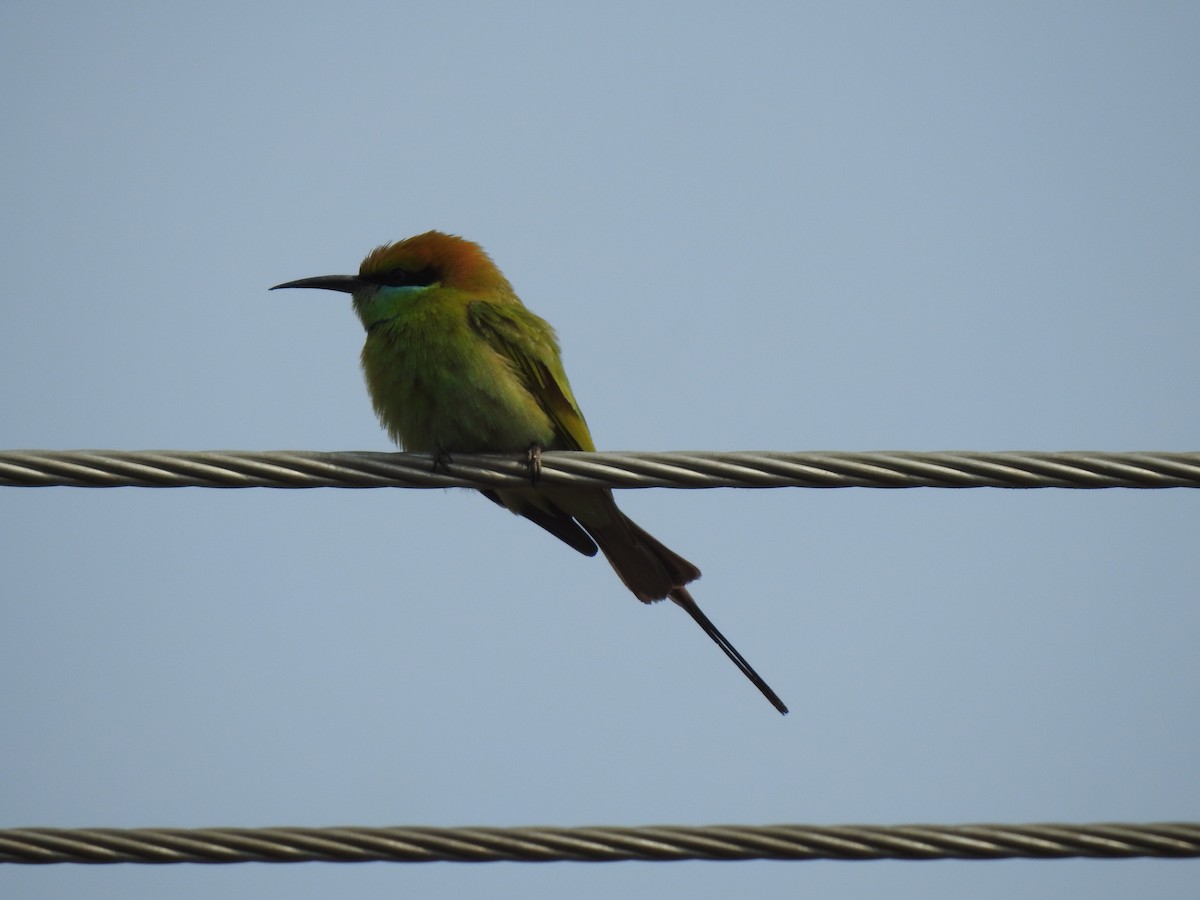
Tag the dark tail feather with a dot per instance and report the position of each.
(647, 566)
(660, 568)
(653, 571)
(683, 599)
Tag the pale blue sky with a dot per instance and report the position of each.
(756, 226)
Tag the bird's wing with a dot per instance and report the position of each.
(528, 343)
(559, 523)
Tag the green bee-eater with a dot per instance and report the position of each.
(454, 362)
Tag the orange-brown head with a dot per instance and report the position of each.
(433, 257)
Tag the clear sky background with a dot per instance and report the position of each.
(775, 226)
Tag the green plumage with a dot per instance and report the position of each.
(448, 372)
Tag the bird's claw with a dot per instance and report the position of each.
(441, 460)
(533, 459)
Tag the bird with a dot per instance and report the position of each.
(455, 363)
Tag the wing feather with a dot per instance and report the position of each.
(528, 343)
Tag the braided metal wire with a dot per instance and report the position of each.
(601, 844)
(307, 469)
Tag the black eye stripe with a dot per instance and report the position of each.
(404, 278)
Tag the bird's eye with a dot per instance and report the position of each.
(406, 278)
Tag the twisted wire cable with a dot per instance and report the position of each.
(347, 469)
(600, 844)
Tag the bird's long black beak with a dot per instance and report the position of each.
(347, 284)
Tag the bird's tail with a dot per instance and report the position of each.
(684, 600)
(653, 572)
(648, 567)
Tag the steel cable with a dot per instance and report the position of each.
(599, 844)
(701, 469)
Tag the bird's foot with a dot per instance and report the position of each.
(533, 459)
(441, 459)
